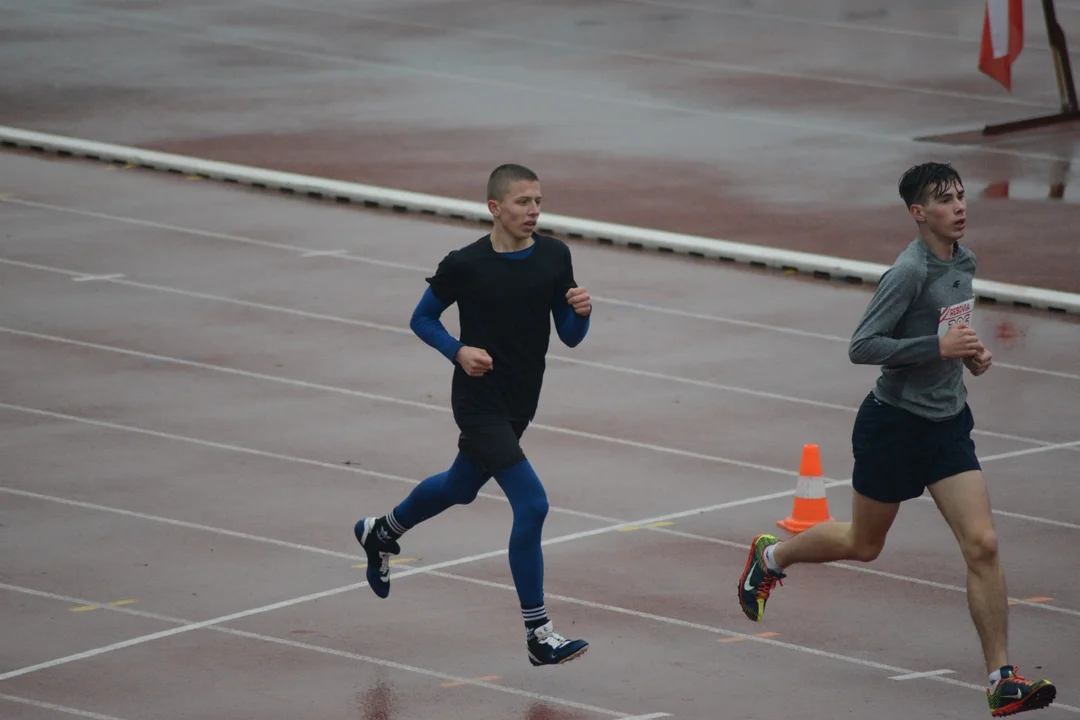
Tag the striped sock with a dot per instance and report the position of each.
(396, 528)
(534, 616)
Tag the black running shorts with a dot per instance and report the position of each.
(898, 454)
(493, 446)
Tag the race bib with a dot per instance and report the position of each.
(949, 316)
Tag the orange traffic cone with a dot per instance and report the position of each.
(811, 505)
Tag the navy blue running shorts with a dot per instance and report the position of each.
(898, 454)
(493, 446)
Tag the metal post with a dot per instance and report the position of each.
(1070, 110)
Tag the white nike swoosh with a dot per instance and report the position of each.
(746, 585)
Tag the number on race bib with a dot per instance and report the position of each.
(960, 312)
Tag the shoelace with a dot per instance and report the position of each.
(1016, 677)
(553, 639)
(767, 585)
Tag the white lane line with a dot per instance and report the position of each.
(97, 278)
(558, 358)
(719, 319)
(178, 523)
(428, 406)
(176, 631)
(265, 454)
(648, 307)
(917, 675)
(201, 233)
(389, 399)
(716, 630)
(323, 253)
(212, 624)
(740, 546)
(1035, 450)
(326, 651)
(56, 708)
(430, 673)
(1029, 518)
(492, 496)
(428, 569)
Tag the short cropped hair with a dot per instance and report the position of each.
(501, 177)
(919, 182)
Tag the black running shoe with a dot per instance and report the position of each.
(374, 537)
(1016, 694)
(547, 647)
(757, 580)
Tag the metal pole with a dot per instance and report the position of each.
(1070, 110)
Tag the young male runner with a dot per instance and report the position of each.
(913, 430)
(507, 286)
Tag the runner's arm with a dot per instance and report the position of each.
(872, 342)
(428, 327)
(570, 326)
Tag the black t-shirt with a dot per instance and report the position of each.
(505, 307)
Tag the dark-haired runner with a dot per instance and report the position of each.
(913, 430)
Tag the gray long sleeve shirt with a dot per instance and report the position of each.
(916, 301)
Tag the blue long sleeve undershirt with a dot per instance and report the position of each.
(425, 322)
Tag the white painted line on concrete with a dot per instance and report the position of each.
(741, 546)
(397, 401)
(93, 278)
(329, 651)
(1029, 518)
(556, 224)
(429, 569)
(411, 481)
(600, 299)
(862, 662)
(201, 233)
(266, 454)
(607, 367)
(56, 708)
(917, 675)
(323, 253)
(178, 523)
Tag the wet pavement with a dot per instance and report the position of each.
(197, 402)
(196, 410)
(781, 123)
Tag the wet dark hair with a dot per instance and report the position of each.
(501, 177)
(920, 181)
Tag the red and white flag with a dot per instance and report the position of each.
(1002, 39)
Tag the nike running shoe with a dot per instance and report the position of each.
(547, 647)
(374, 537)
(1015, 694)
(758, 580)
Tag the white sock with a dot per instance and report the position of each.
(996, 676)
(770, 561)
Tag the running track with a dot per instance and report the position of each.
(204, 387)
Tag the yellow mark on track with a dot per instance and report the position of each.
(87, 608)
(631, 528)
